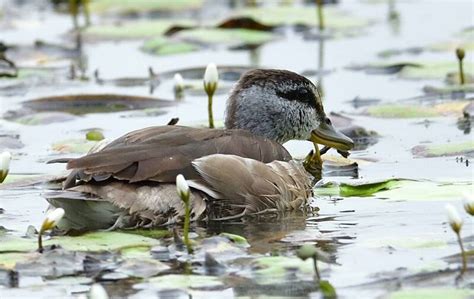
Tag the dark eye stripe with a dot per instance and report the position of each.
(299, 95)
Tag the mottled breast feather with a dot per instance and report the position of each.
(160, 153)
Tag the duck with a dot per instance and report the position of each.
(242, 170)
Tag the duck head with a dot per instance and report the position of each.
(282, 105)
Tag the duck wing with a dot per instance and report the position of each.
(162, 152)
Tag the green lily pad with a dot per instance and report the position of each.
(186, 282)
(440, 150)
(239, 240)
(415, 111)
(451, 89)
(433, 293)
(398, 189)
(73, 146)
(334, 18)
(43, 118)
(166, 46)
(130, 7)
(9, 260)
(133, 29)
(234, 37)
(435, 70)
(92, 242)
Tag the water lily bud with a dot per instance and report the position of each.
(182, 187)
(454, 219)
(460, 53)
(178, 82)
(97, 291)
(211, 78)
(52, 219)
(469, 203)
(5, 158)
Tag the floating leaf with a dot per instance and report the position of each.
(94, 103)
(397, 189)
(327, 289)
(415, 111)
(133, 29)
(298, 15)
(73, 146)
(186, 282)
(96, 241)
(239, 240)
(440, 150)
(435, 70)
(432, 293)
(128, 7)
(166, 46)
(42, 118)
(234, 37)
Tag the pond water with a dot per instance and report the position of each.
(381, 245)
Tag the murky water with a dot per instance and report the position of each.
(368, 236)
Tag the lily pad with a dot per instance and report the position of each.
(186, 282)
(415, 111)
(133, 29)
(433, 293)
(43, 118)
(165, 46)
(73, 146)
(132, 7)
(335, 19)
(435, 70)
(397, 189)
(94, 103)
(233, 37)
(441, 150)
(91, 242)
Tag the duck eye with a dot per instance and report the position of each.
(328, 121)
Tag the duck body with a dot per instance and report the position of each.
(242, 170)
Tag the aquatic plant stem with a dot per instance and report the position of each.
(187, 219)
(463, 254)
(316, 270)
(320, 14)
(40, 241)
(209, 111)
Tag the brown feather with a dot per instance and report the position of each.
(160, 153)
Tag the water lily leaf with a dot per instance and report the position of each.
(335, 19)
(142, 268)
(435, 70)
(327, 289)
(73, 146)
(43, 118)
(232, 37)
(93, 242)
(9, 260)
(415, 111)
(127, 7)
(166, 46)
(133, 29)
(450, 90)
(440, 150)
(398, 189)
(239, 240)
(94, 103)
(185, 281)
(432, 293)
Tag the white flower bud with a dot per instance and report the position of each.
(97, 291)
(5, 158)
(182, 187)
(469, 203)
(178, 82)
(454, 219)
(52, 219)
(211, 79)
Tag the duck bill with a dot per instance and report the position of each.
(325, 134)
